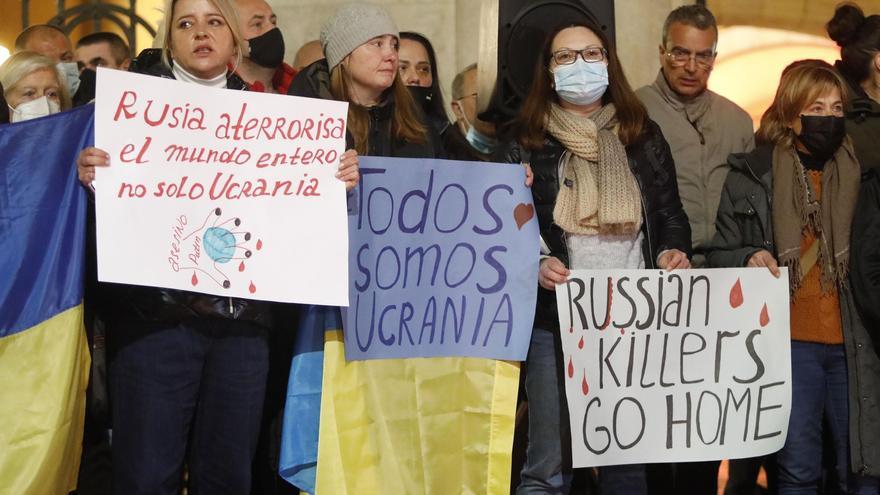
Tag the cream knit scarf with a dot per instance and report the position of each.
(598, 194)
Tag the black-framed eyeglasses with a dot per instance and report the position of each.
(679, 57)
(590, 54)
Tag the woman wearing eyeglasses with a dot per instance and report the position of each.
(606, 197)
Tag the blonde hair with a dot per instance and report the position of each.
(227, 10)
(801, 84)
(24, 63)
(405, 123)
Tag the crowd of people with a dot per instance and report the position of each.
(668, 176)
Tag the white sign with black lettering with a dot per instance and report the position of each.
(680, 366)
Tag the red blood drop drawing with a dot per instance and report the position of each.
(241, 266)
(736, 294)
(259, 244)
(570, 329)
(622, 331)
(195, 280)
(581, 343)
(252, 288)
(570, 368)
(765, 316)
(585, 387)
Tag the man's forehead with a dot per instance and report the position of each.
(687, 36)
(255, 8)
(469, 82)
(49, 38)
(94, 47)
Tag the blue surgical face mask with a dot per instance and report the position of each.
(70, 71)
(480, 142)
(581, 83)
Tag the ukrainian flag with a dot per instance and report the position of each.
(44, 358)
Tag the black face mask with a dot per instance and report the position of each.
(423, 97)
(267, 49)
(822, 136)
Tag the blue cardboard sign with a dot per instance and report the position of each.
(443, 260)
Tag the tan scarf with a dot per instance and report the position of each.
(693, 109)
(795, 208)
(598, 194)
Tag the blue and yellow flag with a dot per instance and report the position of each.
(44, 356)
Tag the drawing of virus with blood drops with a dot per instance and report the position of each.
(215, 246)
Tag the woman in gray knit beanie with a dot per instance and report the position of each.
(361, 43)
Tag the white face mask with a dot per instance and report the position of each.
(33, 109)
(70, 71)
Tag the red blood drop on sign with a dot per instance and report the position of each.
(736, 294)
(194, 280)
(765, 316)
(252, 288)
(241, 266)
(585, 387)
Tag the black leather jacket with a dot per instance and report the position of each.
(664, 222)
(124, 304)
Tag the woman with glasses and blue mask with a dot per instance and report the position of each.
(606, 198)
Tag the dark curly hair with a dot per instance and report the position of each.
(858, 38)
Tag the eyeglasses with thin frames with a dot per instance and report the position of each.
(679, 57)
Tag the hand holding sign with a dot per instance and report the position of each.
(225, 192)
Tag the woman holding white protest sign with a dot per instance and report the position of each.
(606, 197)
(188, 371)
(790, 203)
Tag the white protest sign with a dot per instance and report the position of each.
(222, 192)
(680, 366)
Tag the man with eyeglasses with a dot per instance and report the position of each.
(702, 127)
(472, 138)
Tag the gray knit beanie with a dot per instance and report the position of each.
(352, 26)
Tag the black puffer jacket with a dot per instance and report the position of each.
(664, 222)
(314, 82)
(130, 304)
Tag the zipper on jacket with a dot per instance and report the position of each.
(559, 172)
(767, 235)
(653, 262)
(699, 132)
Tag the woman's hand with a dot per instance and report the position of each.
(349, 171)
(765, 259)
(88, 159)
(552, 272)
(672, 259)
(530, 177)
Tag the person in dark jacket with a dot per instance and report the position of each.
(418, 71)
(791, 203)
(859, 39)
(189, 372)
(361, 43)
(606, 197)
